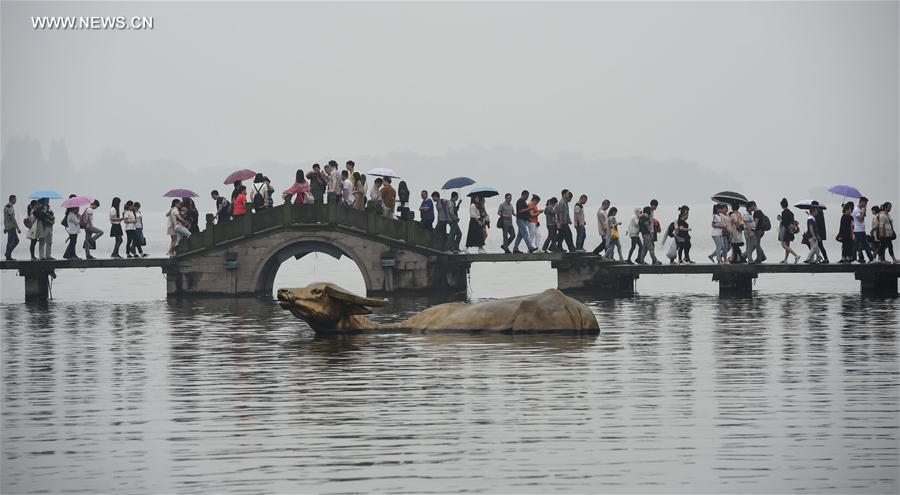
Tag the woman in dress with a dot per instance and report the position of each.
(139, 240)
(845, 233)
(30, 222)
(301, 187)
(115, 218)
(475, 236)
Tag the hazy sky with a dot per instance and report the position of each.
(802, 93)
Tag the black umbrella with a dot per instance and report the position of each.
(730, 197)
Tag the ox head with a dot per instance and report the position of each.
(323, 305)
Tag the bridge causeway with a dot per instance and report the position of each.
(240, 258)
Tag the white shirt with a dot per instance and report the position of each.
(112, 215)
(348, 191)
(173, 218)
(73, 222)
(89, 216)
(375, 193)
(717, 231)
(859, 225)
(129, 215)
(474, 212)
(139, 217)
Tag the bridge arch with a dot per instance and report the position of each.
(298, 248)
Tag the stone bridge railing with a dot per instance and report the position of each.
(329, 216)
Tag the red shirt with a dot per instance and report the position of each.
(240, 204)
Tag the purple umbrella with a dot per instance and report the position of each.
(181, 193)
(77, 201)
(845, 191)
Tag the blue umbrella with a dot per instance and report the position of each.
(458, 182)
(845, 191)
(484, 192)
(45, 193)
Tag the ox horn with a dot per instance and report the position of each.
(345, 296)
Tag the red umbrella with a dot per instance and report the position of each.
(243, 174)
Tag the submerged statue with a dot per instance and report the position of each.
(328, 308)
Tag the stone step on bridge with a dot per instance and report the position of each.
(241, 257)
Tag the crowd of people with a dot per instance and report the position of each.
(736, 234)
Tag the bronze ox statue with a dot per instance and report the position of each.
(329, 308)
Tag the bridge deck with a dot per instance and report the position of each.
(624, 268)
(46, 265)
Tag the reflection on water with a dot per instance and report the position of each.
(678, 393)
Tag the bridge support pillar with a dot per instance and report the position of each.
(735, 284)
(37, 284)
(593, 276)
(877, 284)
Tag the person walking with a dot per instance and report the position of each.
(646, 227)
(475, 235)
(426, 212)
(534, 216)
(602, 229)
(760, 226)
(115, 231)
(811, 237)
(177, 224)
(72, 224)
(614, 242)
(860, 239)
(91, 231)
(129, 221)
(820, 233)
(683, 236)
(441, 208)
(563, 222)
(505, 223)
(717, 233)
(634, 233)
(455, 236)
(845, 233)
(580, 223)
(388, 197)
(787, 229)
(523, 218)
(139, 240)
(317, 180)
(886, 233)
(11, 227)
(736, 228)
(31, 224)
(550, 218)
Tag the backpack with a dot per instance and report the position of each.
(65, 221)
(764, 223)
(28, 221)
(670, 230)
(82, 220)
(259, 201)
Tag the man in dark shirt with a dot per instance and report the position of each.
(317, 183)
(522, 218)
(426, 211)
(757, 234)
(820, 232)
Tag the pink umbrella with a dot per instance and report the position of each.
(77, 201)
(181, 193)
(296, 188)
(242, 174)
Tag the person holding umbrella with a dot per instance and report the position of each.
(44, 221)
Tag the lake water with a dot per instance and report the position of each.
(111, 388)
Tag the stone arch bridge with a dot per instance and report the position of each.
(242, 257)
